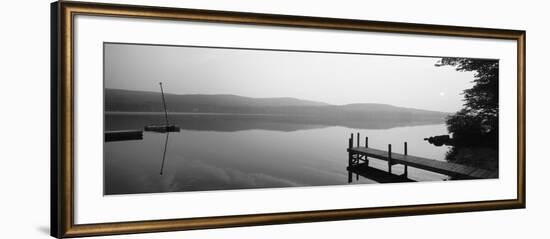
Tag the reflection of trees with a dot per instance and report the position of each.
(475, 126)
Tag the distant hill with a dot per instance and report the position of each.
(304, 110)
(144, 101)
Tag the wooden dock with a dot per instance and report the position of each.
(358, 156)
(162, 128)
(121, 135)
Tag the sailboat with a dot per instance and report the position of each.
(166, 127)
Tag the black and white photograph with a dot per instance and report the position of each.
(199, 118)
(271, 119)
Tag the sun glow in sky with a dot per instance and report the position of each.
(327, 77)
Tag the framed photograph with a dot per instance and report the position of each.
(170, 119)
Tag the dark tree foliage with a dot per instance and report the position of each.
(476, 124)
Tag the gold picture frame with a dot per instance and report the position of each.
(62, 172)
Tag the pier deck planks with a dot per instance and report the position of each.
(441, 167)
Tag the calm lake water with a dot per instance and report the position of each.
(221, 152)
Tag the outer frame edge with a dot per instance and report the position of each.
(285, 218)
(54, 123)
(65, 212)
(522, 116)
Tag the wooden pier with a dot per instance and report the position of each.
(162, 128)
(358, 161)
(121, 135)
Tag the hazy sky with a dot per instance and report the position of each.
(332, 78)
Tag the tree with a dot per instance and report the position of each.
(476, 124)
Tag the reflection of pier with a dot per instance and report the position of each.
(358, 163)
(374, 174)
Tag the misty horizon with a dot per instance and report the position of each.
(282, 97)
(404, 81)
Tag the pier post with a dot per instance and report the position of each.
(389, 158)
(366, 146)
(350, 155)
(406, 173)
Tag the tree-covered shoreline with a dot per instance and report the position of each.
(475, 127)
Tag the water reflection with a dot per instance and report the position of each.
(375, 174)
(164, 152)
(238, 122)
(256, 152)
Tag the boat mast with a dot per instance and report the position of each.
(164, 103)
